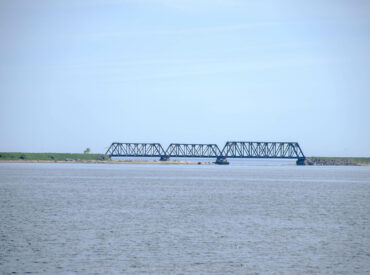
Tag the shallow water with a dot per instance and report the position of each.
(165, 219)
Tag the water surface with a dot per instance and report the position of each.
(164, 219)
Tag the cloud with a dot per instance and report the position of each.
(195, 4)
(190, 5)
(179, 31)
(201, 68)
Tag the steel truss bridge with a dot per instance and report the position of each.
(232, 149)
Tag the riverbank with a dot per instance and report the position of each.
(101, 158)
(337, 161)
(19, 157)
(51, 156)
(111, 162)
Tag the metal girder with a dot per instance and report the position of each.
(249, 149)
(193, 150)
(118, 149)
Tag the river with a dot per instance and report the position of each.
(245, 218)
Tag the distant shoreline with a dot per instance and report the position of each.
(19, 157)
(111, 162)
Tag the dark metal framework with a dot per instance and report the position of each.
(232, 149)
(193, 150)
(242, 149)
(118, 149)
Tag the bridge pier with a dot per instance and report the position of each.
(301, 161)
(221, 161)
(164, 158)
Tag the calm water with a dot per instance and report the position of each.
(243, 219)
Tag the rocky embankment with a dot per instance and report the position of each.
(333, 161)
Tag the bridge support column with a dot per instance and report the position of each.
(164, 158)
(301, 161)
(221, 161)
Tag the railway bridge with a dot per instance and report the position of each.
(232, 149)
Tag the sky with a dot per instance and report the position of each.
(77, 74)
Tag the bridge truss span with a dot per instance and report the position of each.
(250, 149)
(118, 149)
(232, 149)
(193, 150)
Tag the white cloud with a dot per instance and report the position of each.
(196, 4)
(184, 5)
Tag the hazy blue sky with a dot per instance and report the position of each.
(77, 74)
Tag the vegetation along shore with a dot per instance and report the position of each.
(101, 158)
